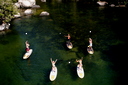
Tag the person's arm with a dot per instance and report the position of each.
(66, 36)
(51, 60)
(76, 60)
(25, 42)
(55, 60)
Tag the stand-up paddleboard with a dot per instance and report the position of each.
(80, 71)
(90, 50)
(69, 45)
(27, 54)
(53, 74)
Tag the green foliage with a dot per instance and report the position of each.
(7, 10)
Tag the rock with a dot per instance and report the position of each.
(102, 3)
(44, 13)
(35, 6)
(112, 5)
(28, 11)
(26, 4)
(17, 4)
(17, 15)
(4, 26)
(7, 26)
(43, 0)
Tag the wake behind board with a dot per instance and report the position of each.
(53, 74)
(69, 45)
(90, 51)
(80, 72)
(27, 54)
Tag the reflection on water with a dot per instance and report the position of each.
(46, 37)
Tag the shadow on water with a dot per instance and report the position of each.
(46, 77)
(72, 69)
(117, 55)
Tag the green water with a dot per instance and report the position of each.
(43, 34)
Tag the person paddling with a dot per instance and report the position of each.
(90, 42)
(27, 46)
(90, 49)
(68, 36)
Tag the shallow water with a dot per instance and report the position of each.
(46, 38)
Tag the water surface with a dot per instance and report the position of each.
(46, 38)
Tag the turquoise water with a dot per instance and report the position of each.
(46, 38)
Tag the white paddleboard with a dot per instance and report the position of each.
(69, 46)
(90, 51)
(80, 72)
(53, 74)
(27, 54)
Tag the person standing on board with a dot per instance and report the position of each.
(90, 42)
(53, 64)
(90, 49)
(27, 46)
(80, 62)
(68, 36)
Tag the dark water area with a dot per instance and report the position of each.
(107, 66)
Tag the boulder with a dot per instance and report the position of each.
(43, 0)
(4, 26)
(17, 4)
(28, 11)
(102, 3)
(17, 15)
(44, 13)
(36, 6)
(26, 4)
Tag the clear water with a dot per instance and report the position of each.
(46, 38)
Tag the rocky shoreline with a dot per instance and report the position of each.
(27, 5)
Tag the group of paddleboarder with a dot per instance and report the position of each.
(80, 65)
(53, 73)
(70, 46)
